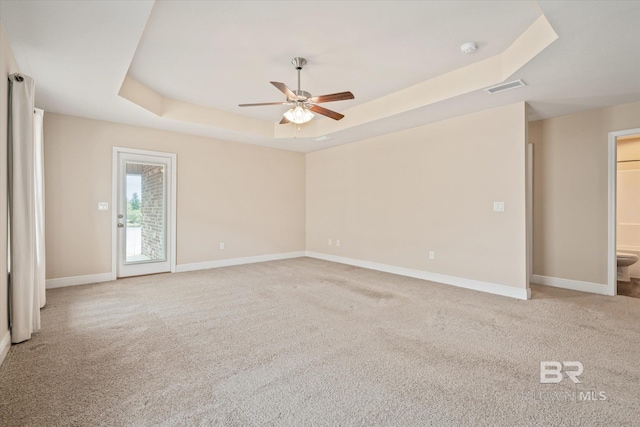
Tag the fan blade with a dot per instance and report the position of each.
(325, 112)
(263, 103)
(284, 89)
(340, 96)
(284, 121)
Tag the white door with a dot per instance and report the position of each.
(144, 212)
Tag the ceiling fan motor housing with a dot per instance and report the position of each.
(302, 94)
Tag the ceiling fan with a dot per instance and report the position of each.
(301, 102)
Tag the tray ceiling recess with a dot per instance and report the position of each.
(475, 76)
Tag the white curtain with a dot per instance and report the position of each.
(38, 143)
(26, 208)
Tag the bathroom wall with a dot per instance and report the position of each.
(628, 199)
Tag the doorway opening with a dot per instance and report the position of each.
(629, 220)
(628, 215)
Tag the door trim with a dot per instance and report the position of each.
(612, 270)
(529, 209)
(114, 203)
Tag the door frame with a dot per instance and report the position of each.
(171, 217)
(612, 270)
(529, 211)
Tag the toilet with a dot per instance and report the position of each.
(624, 261)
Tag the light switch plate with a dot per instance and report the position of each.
(498, 206)
(103, 206)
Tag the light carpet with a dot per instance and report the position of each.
(309, 342)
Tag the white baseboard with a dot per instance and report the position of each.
(5, 344)
(477, 285)
(492, 288)
(107, 277)
(78, 280)
(574, 285)
(237, 261)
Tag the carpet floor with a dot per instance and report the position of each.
(308, 342)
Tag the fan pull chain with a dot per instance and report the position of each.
(295, 135)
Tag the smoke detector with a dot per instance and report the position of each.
(469, 47)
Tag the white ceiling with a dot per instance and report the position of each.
(219, 54)
(231, 52)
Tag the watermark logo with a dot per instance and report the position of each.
(551, 371)
(554, 372)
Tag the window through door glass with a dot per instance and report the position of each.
(145, 217)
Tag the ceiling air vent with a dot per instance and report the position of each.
(506, 86)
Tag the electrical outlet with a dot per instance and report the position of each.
(329, 242)
(337, 242)
(103, 206)
(221, 245)
(498, 206)
(432, 255)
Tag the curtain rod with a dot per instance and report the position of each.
(627, 161)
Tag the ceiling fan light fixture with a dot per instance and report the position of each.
(298, 115)
(303, 102)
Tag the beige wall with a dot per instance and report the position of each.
(570, 191)
(7, 66)
(252, 198)
(392, 199)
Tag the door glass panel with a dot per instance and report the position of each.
(145, 218)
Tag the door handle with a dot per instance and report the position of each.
(120, 225)
(120, 216)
